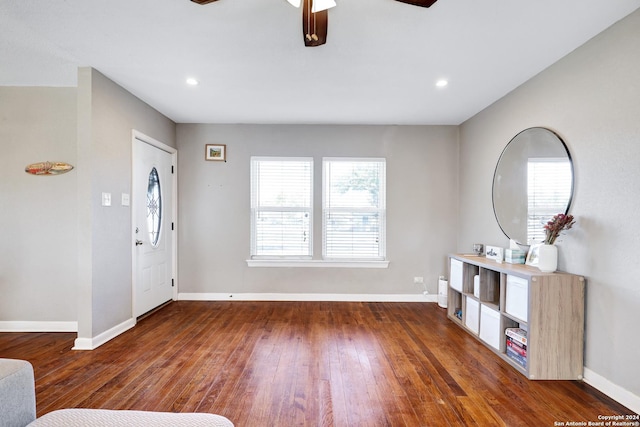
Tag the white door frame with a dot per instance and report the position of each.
(136, 135)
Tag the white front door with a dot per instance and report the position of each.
(152, 211)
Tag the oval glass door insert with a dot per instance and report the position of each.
(154, 207)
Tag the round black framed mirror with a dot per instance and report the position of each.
(533, 181)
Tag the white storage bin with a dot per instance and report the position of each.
(490, 326)
(455, 275)
(472, 316)
(476, 286)
(517, 298)
(443, 286)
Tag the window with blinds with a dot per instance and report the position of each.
(354, 209)
(281, 207)
(549, 189)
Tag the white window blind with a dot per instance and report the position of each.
(549, 190)
(354, 208)
(281, 207)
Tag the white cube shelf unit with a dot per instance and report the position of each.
(549, 306)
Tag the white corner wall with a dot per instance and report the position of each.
(591, 98)
(37, 213)
(107, 115)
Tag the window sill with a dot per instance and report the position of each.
(316, 263)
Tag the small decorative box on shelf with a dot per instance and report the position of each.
(532, 320)
(514, 256)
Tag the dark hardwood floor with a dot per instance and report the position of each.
(302, 363)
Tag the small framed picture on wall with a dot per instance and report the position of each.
(215, 152)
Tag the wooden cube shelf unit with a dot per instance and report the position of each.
(550, 306)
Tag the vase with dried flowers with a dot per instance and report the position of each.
(557, 224)
(548, 252)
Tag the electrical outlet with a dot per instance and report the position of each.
(418, 280)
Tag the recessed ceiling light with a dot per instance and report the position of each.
(192, 82)
(442, 83)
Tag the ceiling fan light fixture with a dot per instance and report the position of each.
(295, 3)
(320, 5)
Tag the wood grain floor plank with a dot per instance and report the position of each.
(302, 363)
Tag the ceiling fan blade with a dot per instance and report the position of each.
(422, 3)
(314, 25)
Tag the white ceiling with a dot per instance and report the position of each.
(379, 65)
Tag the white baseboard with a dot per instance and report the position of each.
(614, 391)
(307, 297)
(29, 326)
(97, 341)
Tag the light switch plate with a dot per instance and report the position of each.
(125, 199)
(106, 199)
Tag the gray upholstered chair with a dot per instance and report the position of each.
(18, 408)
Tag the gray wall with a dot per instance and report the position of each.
(436, 194)
(214, 206)
(64, 257)
(591, 98)
(37, 213)
(107, 114)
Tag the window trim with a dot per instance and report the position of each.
(382, 210)
(311, 263)
(253, 210)
(259, 261)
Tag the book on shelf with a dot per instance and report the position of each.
(517, 334)
(511, 341)
(516, 357)
(517, 347)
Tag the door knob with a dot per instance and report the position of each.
(138, 242)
